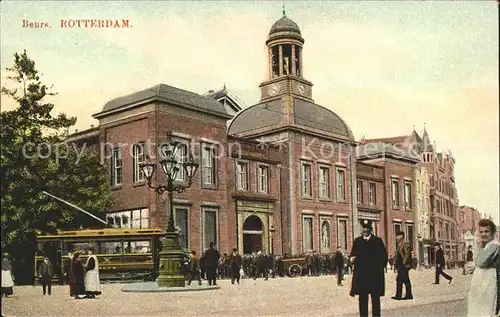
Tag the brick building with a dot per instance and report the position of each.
(318, 206)
(398, 189)
(422, 208)
(444, 221)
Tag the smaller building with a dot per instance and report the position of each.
(399, 188)
(422, 207)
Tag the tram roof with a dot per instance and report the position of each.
(108, 232)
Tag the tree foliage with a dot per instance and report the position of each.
(35, 158)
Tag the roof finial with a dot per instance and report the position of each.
(284, 15)
(224, 85)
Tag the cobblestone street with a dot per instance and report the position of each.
(306, 296)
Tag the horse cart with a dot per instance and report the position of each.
(294, 267)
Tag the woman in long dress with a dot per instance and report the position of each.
(7, 281)
(92, 283)
(484, 287)
(77, 276)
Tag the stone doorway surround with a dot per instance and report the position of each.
(264, 211)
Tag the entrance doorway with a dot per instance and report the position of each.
(252, 234)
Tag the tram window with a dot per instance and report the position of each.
(114, 247)
(76, 246)
(137, 246)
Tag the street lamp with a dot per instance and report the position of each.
(272, 230)
(171, 254)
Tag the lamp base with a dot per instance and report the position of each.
(170, 262)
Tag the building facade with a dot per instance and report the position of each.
(422, 206)
(443, 212)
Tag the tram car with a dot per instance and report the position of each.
(124, 253)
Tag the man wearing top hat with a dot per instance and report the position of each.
(369, 257)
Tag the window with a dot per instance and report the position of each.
(307, 233)
(209, 227)
(446, 231)
(116, 167)
(306, 180)
(139, 157)
(440, 229)
(397, 228)
(372, 193)
(409, 234)
(263, 179)
(137, 246)
(359, 192)
(208, 165)
(182, 223)
(342, 233)
(395, 193)
(181, 156)
(324, 182)
(408, 201)
(138, 219)
(340, 178)
(241, 176)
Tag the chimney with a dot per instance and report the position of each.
(91, 126)
(210, 91)
(76, 130)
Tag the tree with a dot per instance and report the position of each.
(33, 142)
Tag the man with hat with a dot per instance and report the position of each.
(369, 257)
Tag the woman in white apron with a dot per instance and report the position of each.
(7, 281)
(92, 283)
(484, 286)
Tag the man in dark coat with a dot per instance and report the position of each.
(211, 261)
(339, 265)
(261, 266)
(403, 263)
(235, 266)
(45, 273)
(440, 264)
(369, 257)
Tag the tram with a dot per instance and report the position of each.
(123, 253)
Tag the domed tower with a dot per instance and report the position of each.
(285, 44)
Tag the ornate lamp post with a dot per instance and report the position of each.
(272, 230)
(171, 253)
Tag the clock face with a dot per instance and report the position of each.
(273, 89)
(301, 89)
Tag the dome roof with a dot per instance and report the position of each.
(284, 25)
(308, 115)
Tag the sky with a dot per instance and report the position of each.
(384, 67)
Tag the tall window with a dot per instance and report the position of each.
(182, 222)
(209, 227)
(340, 178)
(139, 157)
(306, 180)
(359, 191)
(372, 194)
(116, 167)
(181, 157)
(241, 176)
(324, 182)
(409, 234)
(342, 233)
(263, 179)
(408, 202)
(395, 193)
(307, 233)
(208, 165)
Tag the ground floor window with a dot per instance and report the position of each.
(182, 224)
(307, 233)
(209, 219)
